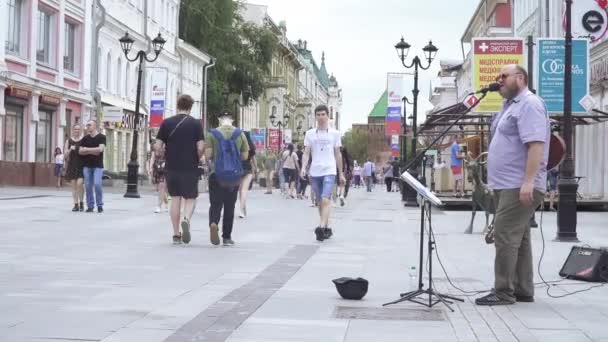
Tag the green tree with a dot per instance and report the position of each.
(356, 143)
(242, 51)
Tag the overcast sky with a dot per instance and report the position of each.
(358, 37)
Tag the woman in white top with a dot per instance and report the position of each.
(59, 161)
(290, 170)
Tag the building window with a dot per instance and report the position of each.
(109, 73)
(119, 77)
(13, 133)
(43, 52)
(14, 26)
(69, 53)
(44, 137)
(68, 124)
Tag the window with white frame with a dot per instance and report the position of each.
(119, 77)
(69, 53)
(109, 73)
(43, 48)
(13, 39)
(127, 81)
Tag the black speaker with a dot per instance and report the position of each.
(587, 264)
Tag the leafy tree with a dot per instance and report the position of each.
(356, 143)
(242, 51)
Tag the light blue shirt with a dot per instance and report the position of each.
(522, 120)
(368, 168)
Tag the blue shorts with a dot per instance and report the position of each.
(323, 186)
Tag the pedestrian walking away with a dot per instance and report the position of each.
(322, 147)
(91, 153)
(517, 172)
(368, 172)
(387, 171)
(73, 172)
(157, 170)
(227, 148)
(270, 164)
(290, 170)
(181, 137)
(357, 175)
(250, 170)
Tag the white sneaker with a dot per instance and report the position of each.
(157, 210)
(342, 201)
(241, 214)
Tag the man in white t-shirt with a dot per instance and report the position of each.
(322, 144)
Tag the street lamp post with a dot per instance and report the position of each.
(430, 50)
(126, 43)
(278, 123)
(567, 185)
(406, 101)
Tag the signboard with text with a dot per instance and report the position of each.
(395, 91)
(258, 137)
(550, 62)
(274, 139)
(489, 56)
(158, 93)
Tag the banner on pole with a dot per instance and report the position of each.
(490, 55)
(395, 91)
(550, 66)
(274, 139)
(158, 94)
(258, 137)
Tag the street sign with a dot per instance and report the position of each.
(112, 114)
(590, 20)
(550, 61)
(489, 56)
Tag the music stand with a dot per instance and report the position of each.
(434, 297)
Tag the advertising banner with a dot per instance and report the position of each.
(395, 91)
(589, 20)
(550, 70)
(258, 137)
(274, 139)
(287, 134)
(489, 56)
(395, 145)
(158, 94)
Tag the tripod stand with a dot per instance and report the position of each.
(434, 297)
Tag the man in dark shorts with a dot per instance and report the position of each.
(184, 140)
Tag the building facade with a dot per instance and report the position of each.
(44, 83)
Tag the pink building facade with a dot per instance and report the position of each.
(44, 82)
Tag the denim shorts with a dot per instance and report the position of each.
(323, 186)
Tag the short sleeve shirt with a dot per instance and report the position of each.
(522, 120)
(181, 150)
(241, 141)
(322, 144)
(90, 160)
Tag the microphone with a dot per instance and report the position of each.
(491, 87)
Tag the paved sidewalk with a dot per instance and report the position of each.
(116, 277)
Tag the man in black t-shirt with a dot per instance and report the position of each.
(91, 155)
(184, 140)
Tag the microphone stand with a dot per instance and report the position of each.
(419, 155)
(425, 215)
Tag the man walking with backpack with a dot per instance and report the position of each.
(227, 148)
(322, 144)
(184, 140)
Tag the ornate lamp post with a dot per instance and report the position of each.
(403, 147)
(430, 50)
(278, 123)
(126, 43)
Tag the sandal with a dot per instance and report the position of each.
(177, 239)
(492, 299)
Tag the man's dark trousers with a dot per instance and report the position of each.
(222, 197)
